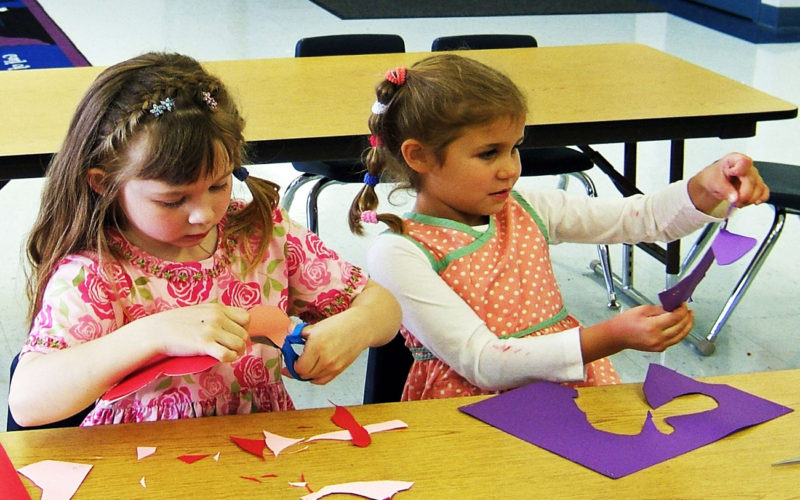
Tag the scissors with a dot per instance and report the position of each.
(788, 461)
(289, 354)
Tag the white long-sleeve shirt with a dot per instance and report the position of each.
(454, 333)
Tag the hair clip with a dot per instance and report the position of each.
(397, 75)
(241, 173)
(378, 107)
(375, 141)
(166, 104)
(371, 180)
(369, 216)
(212, 103)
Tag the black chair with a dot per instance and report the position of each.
(784, 185)
(73, 421)
(387, 370)
(329, 172)
(560, 161)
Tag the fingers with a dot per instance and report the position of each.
(669, 328)
(748, 186)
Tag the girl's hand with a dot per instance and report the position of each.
(213, 329)
(733, 178)
(644, 328)
(326, 354)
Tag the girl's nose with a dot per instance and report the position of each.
(510, 167)
(201, 215)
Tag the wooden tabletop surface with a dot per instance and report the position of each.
(329, 97)
(446, 453)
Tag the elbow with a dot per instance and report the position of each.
(17, 409)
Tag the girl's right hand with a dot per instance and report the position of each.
(644, 328)
(213, 329)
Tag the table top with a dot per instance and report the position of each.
(317, 108)
(445, 453)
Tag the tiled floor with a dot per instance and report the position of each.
(762, 333)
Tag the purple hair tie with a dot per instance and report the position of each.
(241, 173)
(371, 180)
(369, 216)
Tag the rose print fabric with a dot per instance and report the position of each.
(505, 275)
(85, 300)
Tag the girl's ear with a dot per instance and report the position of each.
(418, 157)
(95, 176)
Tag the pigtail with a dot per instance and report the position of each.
(365, 204)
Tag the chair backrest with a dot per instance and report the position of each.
(73, 421)
(387, 371)
(349, 44)
(478, 42)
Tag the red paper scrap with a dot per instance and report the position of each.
(269, 475)
(190, 459)
(9, 479)
(254, 446)
(344, 419)
(255, 479)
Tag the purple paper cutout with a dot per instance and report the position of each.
(729, 247)
(545, 414)
(726, 248)
(680, 292)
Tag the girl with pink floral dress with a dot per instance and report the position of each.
(139, 253)
(470, 264)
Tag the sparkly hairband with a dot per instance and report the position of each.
(371, 180)
(212, 103)
(166, 104)
(369, 216)
(398, 77)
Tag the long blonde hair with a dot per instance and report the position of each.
(441, 96)
(182, 145)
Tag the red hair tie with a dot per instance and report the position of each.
(397, 75)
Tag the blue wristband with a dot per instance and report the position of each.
(289, 354)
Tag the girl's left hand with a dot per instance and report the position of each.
(734, 178)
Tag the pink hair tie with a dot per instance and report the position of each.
(369, 216)
(375, 141)
(397, 75)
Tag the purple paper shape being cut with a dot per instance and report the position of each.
(680, 292)
(729, 247)
(545, 414)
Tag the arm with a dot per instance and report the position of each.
(333, 343)
(452, 331)
(71, 368)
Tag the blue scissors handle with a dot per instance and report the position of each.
(289, 354)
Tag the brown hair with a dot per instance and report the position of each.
(442, 95)
(183, 145)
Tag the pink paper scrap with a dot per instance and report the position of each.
(376, 490)
(57, 480)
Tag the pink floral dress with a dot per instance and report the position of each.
(84, 301)
(506, 277)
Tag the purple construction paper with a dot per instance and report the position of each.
(545, 414)
(680, 292)
(729, 247)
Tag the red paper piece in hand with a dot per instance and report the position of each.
(254, 446)
(171, 367)
(344, 419)
(190, 459)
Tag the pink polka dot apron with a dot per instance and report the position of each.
(504, 274)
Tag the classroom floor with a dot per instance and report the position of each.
(760, 335)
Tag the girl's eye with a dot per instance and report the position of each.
(172, 204)
(219, 187)
(486, 155)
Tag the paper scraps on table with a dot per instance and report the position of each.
(376, 490)
(726, 248)
(389, 425)
(545, 414)
(57, 480)
(142, 482)
(144, 451)
(170, 367)
(9, 479)
(344, 419)
(277, 444)
(254, 446)
(190, 459)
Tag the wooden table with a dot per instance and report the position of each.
(446, 453)
(301, 109)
